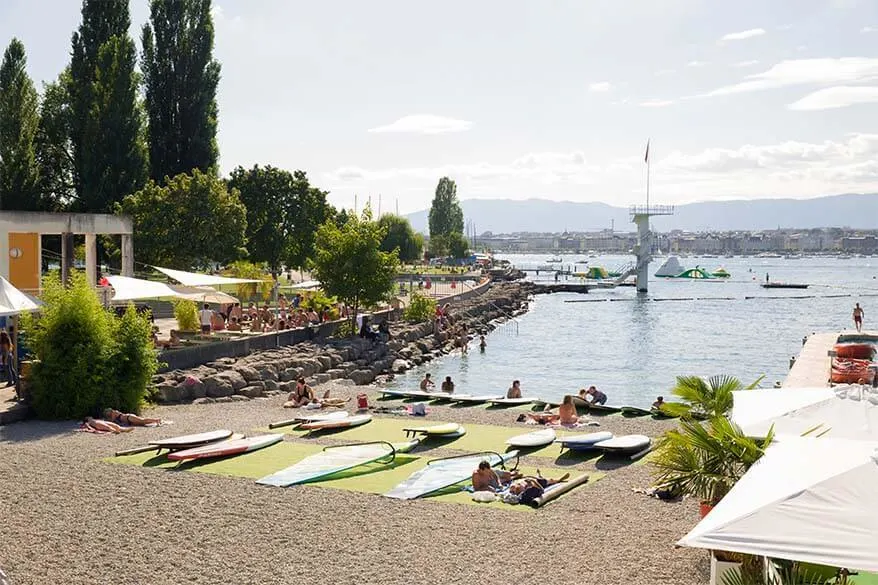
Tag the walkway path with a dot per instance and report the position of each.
(811, 369)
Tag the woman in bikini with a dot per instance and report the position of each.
(567, 414)
(105, 426)
(120, 418)
(302, 395)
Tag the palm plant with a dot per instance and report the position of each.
(705, 460)
(785, 573)
(705, 398)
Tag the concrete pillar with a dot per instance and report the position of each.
(127, 255)
(642, 250)
(91, 258)
(66, 256)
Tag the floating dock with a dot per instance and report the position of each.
(812, 367)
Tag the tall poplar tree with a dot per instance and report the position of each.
(106, 123)
(19, 120)
(181, 78)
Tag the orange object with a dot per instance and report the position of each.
(855, 350)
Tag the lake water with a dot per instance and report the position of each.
(633, 346)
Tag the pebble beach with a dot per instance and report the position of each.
(68, 516)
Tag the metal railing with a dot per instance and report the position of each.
(651, 210)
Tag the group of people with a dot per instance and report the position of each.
(514, 487)
(289, 314)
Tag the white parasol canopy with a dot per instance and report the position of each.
(132, 289)
(199, 279)
(13, 301)
(848, 412)
(808, 499)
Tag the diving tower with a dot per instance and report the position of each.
(640, 215)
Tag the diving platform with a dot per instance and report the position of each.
(640, 215)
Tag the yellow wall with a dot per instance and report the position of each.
(24, 271)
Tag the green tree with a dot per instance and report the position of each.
(349, 263)
(283, 212)
(19, 120)
(400, 236)
(446, 216)
(180, 78)
(106, 125)
(192, 221)
(53, 146)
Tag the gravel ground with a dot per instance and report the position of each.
(67, 517)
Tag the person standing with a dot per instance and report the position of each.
(206, 318)
(7, 359)
(858, 316)
(448, 385)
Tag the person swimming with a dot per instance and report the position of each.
(447, 385)
(427, 383)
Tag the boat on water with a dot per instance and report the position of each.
(554, 260)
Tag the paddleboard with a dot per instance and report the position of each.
(225, 448)
(306, 418)
(190, 441)
(443, 429)
(330, 460)
(624, 444)
(511, 401)
(473, 399)
(350, 421)
(634, 411)
(443, 473)
(600, 408)
(584, 442)
(549, 403)
(394, 393)
(446, 396)
(534, 439)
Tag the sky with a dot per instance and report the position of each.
(521, 99)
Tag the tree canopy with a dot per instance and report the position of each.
(446, 216)
(180, 79)
(190, 222)
(53, 146)
(19, 120)
(399, 235)
(283, 213)
(106, 128)
(349, 263)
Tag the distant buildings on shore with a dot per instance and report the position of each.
(782, 241)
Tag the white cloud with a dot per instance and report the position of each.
(784, 27)
(744, 34)
(696, 64)
(662, 72)
(840, 96)
(750, 63)
(424, 124)
(805, 72)
(600, 86)
(791, 169)
(657, 103)
(869, 29)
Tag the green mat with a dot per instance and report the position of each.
(477, 438)
(374, 478)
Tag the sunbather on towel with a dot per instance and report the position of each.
(115, 416)
(530, 488)
(105, 426)
(567, 414)
(302, 395)
(486, 479)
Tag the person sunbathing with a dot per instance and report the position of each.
(301, 396)
(486, 479)
(105, 426)
(528, 489)
(567, 414)
(114, 416)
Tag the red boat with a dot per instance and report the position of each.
(863, 351)
(852, 371)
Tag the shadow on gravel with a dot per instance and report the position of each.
(611, 462)
(572, 457)
(35, 430)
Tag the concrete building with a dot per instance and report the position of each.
(21, 247)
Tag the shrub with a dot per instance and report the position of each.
(420, 308)
(346, 328)
(319, 301)
(248, 291)
(87, 358)
(186, 314)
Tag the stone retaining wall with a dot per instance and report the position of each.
(274, 370)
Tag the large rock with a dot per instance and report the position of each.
(170, 393)
(251, 391)
(236, 380)
(267, 371)
(204, 400)
(218, 386)
(271, 385)
(336, 373)
(325, 362)
(249, 374)
(322, 378)
(362, 377)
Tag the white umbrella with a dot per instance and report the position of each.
(848, 412)
(808, 499)
(204, 294)
(13, 301)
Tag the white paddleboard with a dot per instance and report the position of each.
(586, 441)
(350, 421)
(624, 444)
(511, 401)
(534, 439)
(305, 418)
(189, 441)
(443, 473)
(327, 462)
(474, 399)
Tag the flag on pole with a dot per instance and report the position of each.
(646, 156)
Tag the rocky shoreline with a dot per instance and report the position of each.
(358, 361)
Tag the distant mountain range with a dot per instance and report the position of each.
(538, 215)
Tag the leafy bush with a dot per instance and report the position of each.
(347, 328)
(421, 308)
(186, 314)
(87, 358)
(319, 301)
(251, 290)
